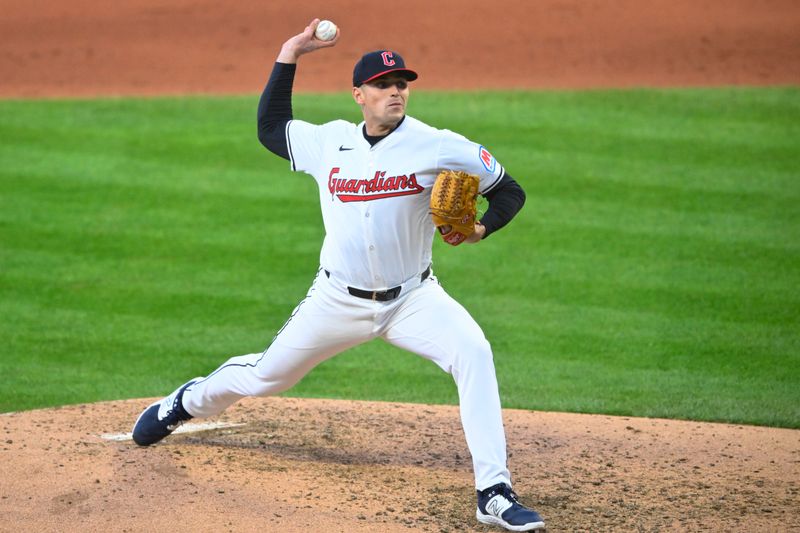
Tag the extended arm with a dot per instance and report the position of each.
(275, 105)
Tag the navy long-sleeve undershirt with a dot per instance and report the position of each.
(275, 109)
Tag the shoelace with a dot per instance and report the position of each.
(172, 420)
(505, 490)
(510, 494)
(172, 425)
(176, 416)
(172, 417)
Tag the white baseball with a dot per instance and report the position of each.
(326, 30)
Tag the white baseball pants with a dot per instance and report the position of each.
(425, 321)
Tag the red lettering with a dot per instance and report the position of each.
(331, 181)
(374, 183)
(376, 188)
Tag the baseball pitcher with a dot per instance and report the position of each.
(387, 187)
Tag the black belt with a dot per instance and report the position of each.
(381, 296)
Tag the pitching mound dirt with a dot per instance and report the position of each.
(321, 465)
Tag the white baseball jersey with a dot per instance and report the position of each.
(375, 199)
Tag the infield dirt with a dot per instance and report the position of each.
(89, 47)
(316, 465)
(319, 465)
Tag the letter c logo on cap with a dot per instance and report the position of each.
(387, 59)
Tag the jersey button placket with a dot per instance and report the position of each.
(369, 234)
(369, 242)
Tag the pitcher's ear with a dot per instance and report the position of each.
(358, 95)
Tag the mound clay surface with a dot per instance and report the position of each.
(338, 466)
(319, 465)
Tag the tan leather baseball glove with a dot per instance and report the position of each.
(454, 205)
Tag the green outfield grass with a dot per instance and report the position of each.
(655, 270)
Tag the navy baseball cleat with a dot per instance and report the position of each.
(161, 418)
(498, 506)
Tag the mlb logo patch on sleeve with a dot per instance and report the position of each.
(489, 162)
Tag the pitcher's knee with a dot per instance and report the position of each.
(477, 354)
(481, 345)
(270, 384)
(271, 380)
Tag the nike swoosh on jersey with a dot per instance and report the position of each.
(342, 148)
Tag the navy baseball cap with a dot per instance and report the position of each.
(378, 63)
